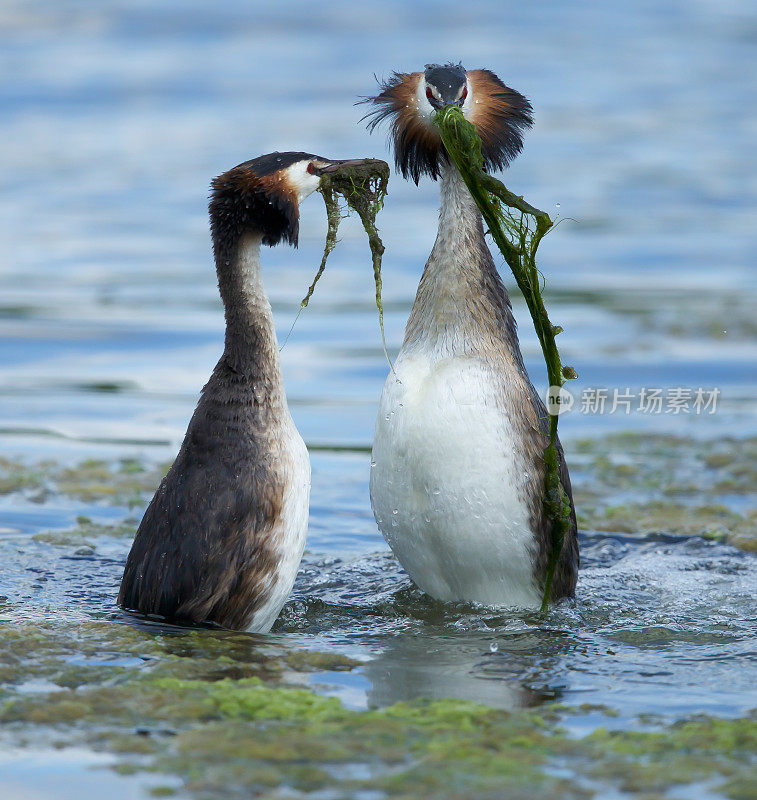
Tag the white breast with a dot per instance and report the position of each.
(292, 528)
(446, 478)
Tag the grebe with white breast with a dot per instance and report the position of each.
(457, 472)
(222, 539)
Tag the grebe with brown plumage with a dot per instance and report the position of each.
(222, 538)
(457, 469)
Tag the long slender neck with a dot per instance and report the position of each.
(459, 217)
(251, 349)
(461, 305)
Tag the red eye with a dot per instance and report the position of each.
(429, 93)
(311, 168)
(465, 93)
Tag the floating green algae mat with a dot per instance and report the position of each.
(228, 715)
(669, 465)
(87, 532)
(658, 516)
(627, 482)
(517, 229)
(644, 483)
(229, 737)
(121, 482)
(69, 652)
(231, 715)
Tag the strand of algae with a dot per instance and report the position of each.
(363, 185)
(509, 218)
(333, 215)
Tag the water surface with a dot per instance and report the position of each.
(115, 118)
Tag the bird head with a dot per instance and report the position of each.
(410, 99)
(263, 196)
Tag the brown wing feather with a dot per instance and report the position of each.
(206, 545)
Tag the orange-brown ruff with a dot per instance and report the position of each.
(457, 477)
(498, 112)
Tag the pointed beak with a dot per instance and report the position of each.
(458, 103)
(334, 166)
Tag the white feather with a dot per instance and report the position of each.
(447, 475)
(301, 180)
(292, 529)
(444, 483)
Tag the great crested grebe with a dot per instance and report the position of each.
(457, 473)
(222, 539)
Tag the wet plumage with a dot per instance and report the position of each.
(457, 469)
(223, 536)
